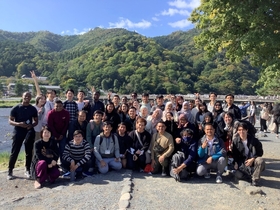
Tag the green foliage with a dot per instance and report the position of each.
(123, 61)
(20, 88)
(243, 29)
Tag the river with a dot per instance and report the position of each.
(6, 130)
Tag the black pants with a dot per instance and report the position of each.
(140, 163)
(263, 124)
(26, 136)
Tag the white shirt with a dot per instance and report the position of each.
(246, 147)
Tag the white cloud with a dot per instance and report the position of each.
(126, 23)
(155, 19)
(172, 12)
(76, 31)
(184, 4)
(180, 24)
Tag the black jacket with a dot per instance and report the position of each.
(238, 149)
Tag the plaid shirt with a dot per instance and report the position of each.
(72, 108)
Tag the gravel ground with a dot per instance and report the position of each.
(148, 192)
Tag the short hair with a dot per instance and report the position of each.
(141, 120)
(122, 123)
(58, 102)
(81, 91)
(50, 91)
(98, 112)
(116, 96)
(77, 132)
(188, 131)
(169, 113)
(229, 95)
(96, 92)
(145, 95)
(132, 107)
(213, 93)
(208, 123)
(161, 122)
(159, 97)
(82, 111)
(44, 128)
(107, 122)
(243, 125)
(71, 90)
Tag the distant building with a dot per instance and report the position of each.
(11, 88)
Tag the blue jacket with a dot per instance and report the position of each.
(218, 149)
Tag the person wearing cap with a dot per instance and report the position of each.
(96, 104)
(145, 101)
(106, 150)
(160, 103)
(230, 107)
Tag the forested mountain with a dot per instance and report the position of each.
(123, 61)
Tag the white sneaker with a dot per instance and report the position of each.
(207, 176)
(10, 176)
(163, 174)
(219, 179)
(27, 174)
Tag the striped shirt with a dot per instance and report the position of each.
(79, 153)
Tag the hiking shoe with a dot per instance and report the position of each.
(207, 175)
(10, 176)
(27, 174)
(87, 173)
(219, 179)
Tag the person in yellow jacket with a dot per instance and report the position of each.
(162, 146)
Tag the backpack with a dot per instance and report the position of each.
(113, 137)
(176, 160)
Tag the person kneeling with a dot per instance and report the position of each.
(247, 152)
(183, 161)
(162, 146)
(44, 163)
(76, 156)
(106, 150)
(211, 154)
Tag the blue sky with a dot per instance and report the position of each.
(67, 17)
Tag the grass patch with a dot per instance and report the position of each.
(4, 160)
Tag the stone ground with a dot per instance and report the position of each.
(111, 191)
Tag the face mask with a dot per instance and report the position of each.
(186, 138)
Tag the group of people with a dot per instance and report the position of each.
(176, 138)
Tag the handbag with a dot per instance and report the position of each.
(265, 115)
(158, 148)
(147, 153)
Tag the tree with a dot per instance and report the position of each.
(244, 29)
(20, 88)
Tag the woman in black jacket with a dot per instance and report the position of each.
(44, 162)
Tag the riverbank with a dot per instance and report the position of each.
(148, 192)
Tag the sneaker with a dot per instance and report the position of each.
(219, 179)
(207, 176)
(163, 173)
(27, 174)
(66, 175)
(90, 170)
(87, 173)
(10, 176)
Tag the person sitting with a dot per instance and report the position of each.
(247, 153)
(162, 146)
(211, 154)
(184, 161)
(136, 157)
(152, 121)
(44, 163)
(106, 150)
(76, 156)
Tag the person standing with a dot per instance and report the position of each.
(230, 107)
(212, 98)
(24, 117)
(70, 105)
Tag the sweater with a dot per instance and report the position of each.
(165, 140)
(80, 153)
(58, 122)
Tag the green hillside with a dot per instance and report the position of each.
(123, 61)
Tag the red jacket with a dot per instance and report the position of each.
(58, 122)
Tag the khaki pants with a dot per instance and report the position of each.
(258, 167)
